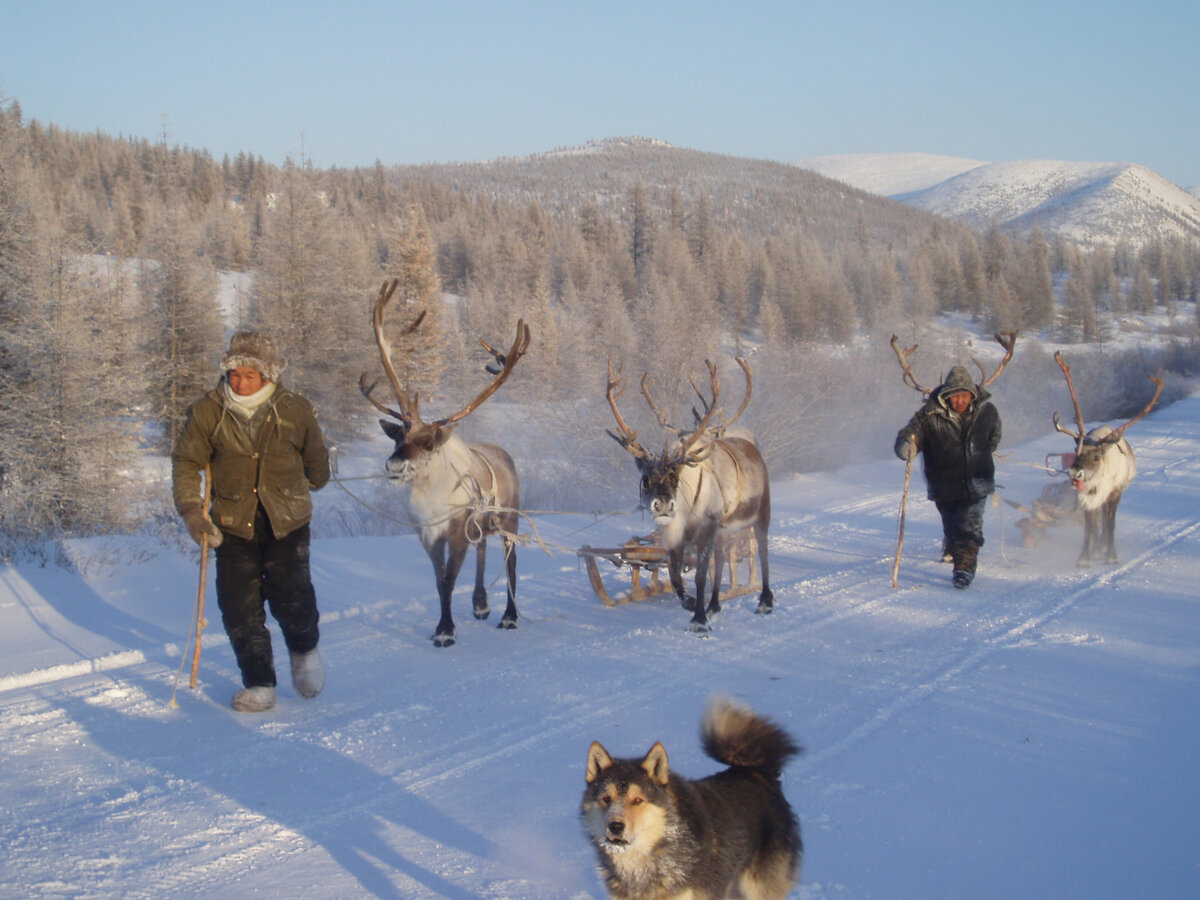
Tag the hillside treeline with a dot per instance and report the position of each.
(112, 317)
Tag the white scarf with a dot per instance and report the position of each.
(247, 406)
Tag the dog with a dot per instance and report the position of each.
(661, 836)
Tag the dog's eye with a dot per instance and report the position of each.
(605, 801)
(635, 801)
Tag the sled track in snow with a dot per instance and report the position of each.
(1006, 636)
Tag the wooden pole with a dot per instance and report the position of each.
(200, 620)
(903, 507)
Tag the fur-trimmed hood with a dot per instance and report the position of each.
(256, 351)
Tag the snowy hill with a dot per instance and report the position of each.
(1030, 737)
(1091, 203)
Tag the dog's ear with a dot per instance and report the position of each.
(598, 761)
(655, 764)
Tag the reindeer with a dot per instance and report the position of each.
(458, 492)
(704, 487)
(1103, 468)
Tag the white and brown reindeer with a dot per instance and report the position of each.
(702, 488)
(1102, 469)
(459, 493)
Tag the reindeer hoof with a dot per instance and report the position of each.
(443, 640)
(1083, 563)
(482, 613)
(507, 624)
(688, 602)
(764, 609)
(701, 628)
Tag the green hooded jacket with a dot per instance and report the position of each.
(278, 470)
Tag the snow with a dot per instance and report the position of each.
(1032, 737)
(890, 174)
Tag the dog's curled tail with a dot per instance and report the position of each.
(734, 734)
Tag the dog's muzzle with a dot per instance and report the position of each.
(614, 834)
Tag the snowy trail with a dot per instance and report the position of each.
(933, 719)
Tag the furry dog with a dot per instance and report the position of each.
(660, 836)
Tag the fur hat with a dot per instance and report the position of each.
(959, 379)
(255, 351)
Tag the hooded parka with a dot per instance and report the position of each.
(956, 448)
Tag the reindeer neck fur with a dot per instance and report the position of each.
(449, 479)
(710, 491)
(1100, 470)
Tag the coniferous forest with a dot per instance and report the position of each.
(113, 252)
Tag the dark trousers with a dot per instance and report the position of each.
(259, 573)
(962, 523)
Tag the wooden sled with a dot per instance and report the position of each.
(643, 554)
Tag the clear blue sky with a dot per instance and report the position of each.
(351, 82)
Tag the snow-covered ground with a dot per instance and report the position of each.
(1033, 737)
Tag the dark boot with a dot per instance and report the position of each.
(966, 558)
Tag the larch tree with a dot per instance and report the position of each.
(185, 334)
(312, 296)
(420, 357)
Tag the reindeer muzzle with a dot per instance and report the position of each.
(663, 510)
(402, 471)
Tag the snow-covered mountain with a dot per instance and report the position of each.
(1091, 203)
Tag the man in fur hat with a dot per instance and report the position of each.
(266, 454)
(957, 430)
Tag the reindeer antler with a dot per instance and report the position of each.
(909, 378)
(628, 437)
(507, 361)
(410, 403)
(1116, 433)
(1066, 370)
(409, 407)
(662, 420)
(745, 367)
(1007, 340)
(688, 442)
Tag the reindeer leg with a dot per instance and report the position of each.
(509, 620)
(1091, 524)
(675, 573)
(718, 564)
(1110, 528)
(479, 599)
(704, 551)
(766, 597)
(447, 557)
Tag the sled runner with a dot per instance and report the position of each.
(643, 554)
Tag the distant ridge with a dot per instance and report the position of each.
(1089, 203)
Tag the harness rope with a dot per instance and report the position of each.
(479, 507)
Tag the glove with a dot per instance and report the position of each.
(199, 524)
(907, 450)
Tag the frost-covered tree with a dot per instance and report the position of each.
(313, 293)
(184, 333)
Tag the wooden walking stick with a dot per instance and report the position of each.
(903, 508)
(200, 620)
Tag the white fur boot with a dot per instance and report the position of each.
(308, 673)
(254, 699)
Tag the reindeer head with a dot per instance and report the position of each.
(660, 475)
(418, 441)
